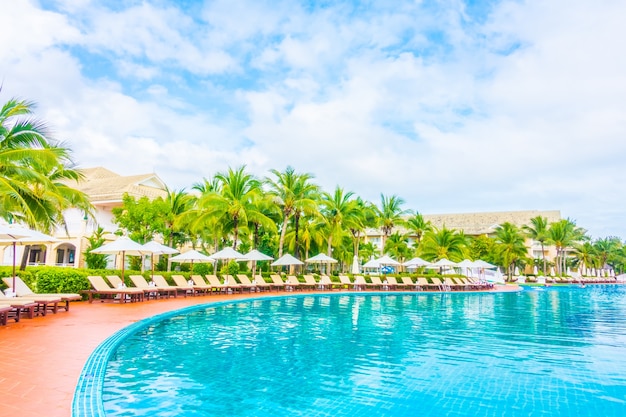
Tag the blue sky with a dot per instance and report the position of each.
(456, 106)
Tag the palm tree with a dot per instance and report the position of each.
(397, 246)
(364, 217)
(586, 255)
(366, 251)
(564, 234)
(177, 202)
(340, 212)
(295, 195)
(538, 231)
(233, 206)
(444, 243)
(311, 236)
(36, 172)
(418, 225)
(390, 215)
(605, 249)
(510, 246)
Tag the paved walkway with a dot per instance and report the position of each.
(42, 357)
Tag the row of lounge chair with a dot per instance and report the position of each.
(28, 304)
(211, 284)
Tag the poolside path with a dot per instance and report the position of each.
(42, 357)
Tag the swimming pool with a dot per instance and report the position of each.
(556, 352)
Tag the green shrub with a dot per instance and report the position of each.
(61, 280)
(202, 268)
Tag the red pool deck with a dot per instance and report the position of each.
(42, 357)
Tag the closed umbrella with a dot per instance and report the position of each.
(124, 246)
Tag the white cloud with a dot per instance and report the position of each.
(525, 111)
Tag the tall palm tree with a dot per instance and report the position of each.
(295, 194)
(177, 202)
(311, 235)
(233, 206)
(418, 225)
(443, 243)
(537, 230)
(564, 234)
(397, 246)
(390, 215)
(364, 217)
(36, 172)
(586, 255)
(605, 248)
(340, 212)
(510, 246)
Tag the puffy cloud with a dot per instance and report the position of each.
(512, 106)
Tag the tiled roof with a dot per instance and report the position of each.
(101, 185)
(482, 223)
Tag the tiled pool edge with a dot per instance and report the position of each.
(87, 400)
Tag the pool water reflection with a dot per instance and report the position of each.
(556, 352)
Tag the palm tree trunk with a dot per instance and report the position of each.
(330, 245)
(283, 232)
(297, 226)
(235, 232)
(543, 256)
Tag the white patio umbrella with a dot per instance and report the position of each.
(11, 233)
(479, 263)
(386, 260)
(227, 254)
(191, 256)
(157, 248)
(287, 260)
(124, 246)
(416, 263)
(321, 258)
(255, 256)
(482, 265)
(467, 265)
(380, 262)
(442, 264)
(16, 234)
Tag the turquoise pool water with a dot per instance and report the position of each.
(554, 352)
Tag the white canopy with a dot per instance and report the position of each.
(191, 256)
(416, 262)
(466, 263)
(482, 264)
(255, 255)
(123, 245)
(287, 259)
(157, 248)
(321, 258)
(228, 253)
(443, 262)
(11, 233)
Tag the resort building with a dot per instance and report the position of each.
(105, 190)
(476, 224)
